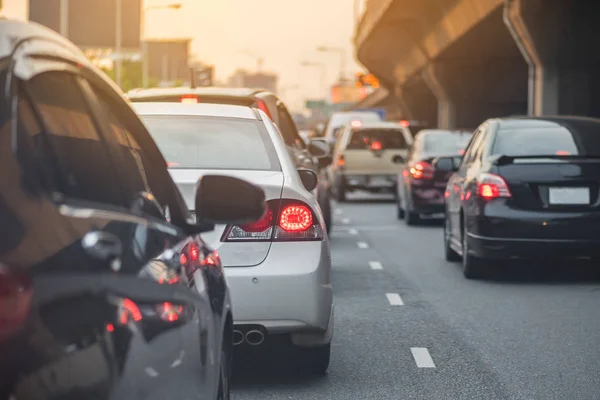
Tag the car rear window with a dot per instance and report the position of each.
(446, 142)
(546, 141)
(388, 138)
(190, 142)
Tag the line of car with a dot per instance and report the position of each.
(141, 241)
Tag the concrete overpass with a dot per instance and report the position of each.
(459, 62)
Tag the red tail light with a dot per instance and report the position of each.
(491, 186)
(189, 98)
(15, 300)
(263, 107)
(341, 161)
(376, 146)
(285, 220)
(421, 170)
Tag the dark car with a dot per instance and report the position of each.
(420, 185)
(527, 188)
(106, 289)
(315, 154)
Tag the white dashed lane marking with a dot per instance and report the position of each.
(339, 211)
(362, 245)
(345, 220)
(394, 299)
(375, 265)
(422, 357)
(353, 231)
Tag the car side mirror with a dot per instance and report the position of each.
(446, 164)
(398, 159)
(319, 147)
(309, 178)
(228, 200)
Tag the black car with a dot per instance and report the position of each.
(315, 155)
(420, 185)
(106, 289)
(527, 188)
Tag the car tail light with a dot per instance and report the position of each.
(189, 99)
(284, 220)
(356, 124)
(341, 161)
(263, 107)
(15, 300)
(405, 123)
(376, 146)
(491, 186)
(421, 170)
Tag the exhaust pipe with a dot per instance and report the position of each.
(255, 337)
(238, 337)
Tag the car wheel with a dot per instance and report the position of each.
(411, 218)
(472, 266)
(450, 254)
(399, 208)
(326, 208)
(340, 192)
(313, 360)
(224, 375)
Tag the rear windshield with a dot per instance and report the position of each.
(546, 141)
(212, 143)
(446, 142)
(388, 138)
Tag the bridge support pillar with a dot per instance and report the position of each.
(554, 38)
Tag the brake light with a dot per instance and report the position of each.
(171, 164)
(563, 153)
(405, 123)
(341, 161)
(189, 99)
(129, 312)
(356, 124)
(491, 186)
(15, 300)
(421, 170)
(461, 152)
(263, 107)
(376, 146)
(169, 312)
(285, 220)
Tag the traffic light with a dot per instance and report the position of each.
(368, 80)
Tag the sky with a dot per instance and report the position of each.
(231, 34)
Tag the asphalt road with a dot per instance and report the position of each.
(409, 326)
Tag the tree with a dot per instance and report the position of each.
(131, 75)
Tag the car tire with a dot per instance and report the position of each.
(340, 192)
(472, 266)
(399, 209)
(450, 254)
(224, 377)
(313, 360)
(326, 209)
(411, 218)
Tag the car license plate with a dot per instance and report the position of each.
(564, 196)
(379, 181)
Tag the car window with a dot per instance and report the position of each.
(80, 156)
(288, 128)
(545, 141)
(387, 138)
(472, 149)
(446, 142)
(212, 143)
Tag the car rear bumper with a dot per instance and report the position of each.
(370, 181)
(427, 198)
(290, 292)
(521, 248)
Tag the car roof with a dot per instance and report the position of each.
(196, 109)
(210, 91)
(443, 131)
(380, 125)
(13, 32)
(574, 122)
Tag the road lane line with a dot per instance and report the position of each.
(352, 231)
(375, 265)
(345, 220)
(422, 357)
(339, 211)
(362, 245)
(394, 299)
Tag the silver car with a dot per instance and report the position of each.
(278, 268)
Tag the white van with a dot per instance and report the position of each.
(339, 120)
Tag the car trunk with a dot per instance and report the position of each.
(233, 254)
(553, 184)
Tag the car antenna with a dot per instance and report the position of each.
(192, 79)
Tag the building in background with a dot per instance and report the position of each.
(168, 61)
(262, 80)
(91, 24)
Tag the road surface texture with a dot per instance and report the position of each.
(409, 326)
